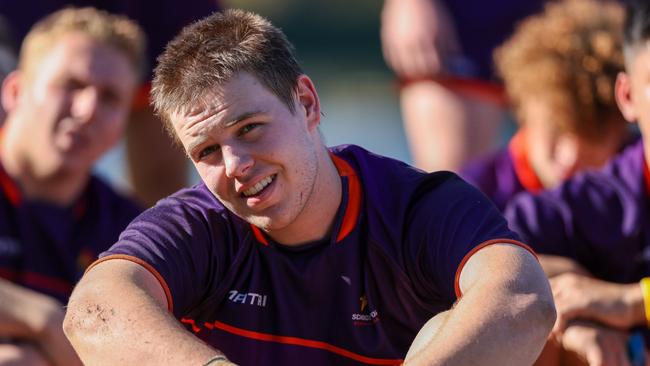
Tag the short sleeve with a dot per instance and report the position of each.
(173, 241)
(449, 221)
(592, 219)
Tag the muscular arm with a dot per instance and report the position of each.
(503, 318)
(34, 318)
(117, 315)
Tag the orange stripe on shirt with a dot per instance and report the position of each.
(305, 343)
(148, 267)
(476, 249)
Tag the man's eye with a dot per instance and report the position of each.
(248, 128)
(207, 151)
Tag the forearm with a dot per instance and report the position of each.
(26, 314)
(555, 265)
(496, 311)
(117, 321)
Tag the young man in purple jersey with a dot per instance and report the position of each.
(563, 95)
(290, 253)
(594, 229)
(67, 104)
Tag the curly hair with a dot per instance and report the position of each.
(568, 56)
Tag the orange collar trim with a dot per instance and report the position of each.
(523, 169)
(7, 184)
(351, 211)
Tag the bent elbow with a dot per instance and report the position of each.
(84, 319)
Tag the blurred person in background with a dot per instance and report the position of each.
(7, 56)
(150, 152)
(441, 51)
(593, 231)
(67, 104)
(559, 69)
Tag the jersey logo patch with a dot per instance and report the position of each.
(361, 318)
(249, 298)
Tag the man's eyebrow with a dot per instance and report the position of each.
(241, 117)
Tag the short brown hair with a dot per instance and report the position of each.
(208, 53)
(570, 56)
(113, 30)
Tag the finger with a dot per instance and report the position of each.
(594, 355)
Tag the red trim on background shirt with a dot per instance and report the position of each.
(141, 97)
(10, 188)
(646, 174)
(351, 211)
(7, 184)
(305, 343)
(479, 247)
(523, 169)
(147, 266)
(37, 280)
(474, 88)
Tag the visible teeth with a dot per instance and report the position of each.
(258, 187)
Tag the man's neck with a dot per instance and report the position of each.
(61, 188)
(319, 213)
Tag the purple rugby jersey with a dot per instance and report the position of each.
(358, 297)
(46, 247)
(600, 219)
(504, 174)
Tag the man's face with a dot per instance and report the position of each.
(557, 155)
(73, 105)
(259, 159)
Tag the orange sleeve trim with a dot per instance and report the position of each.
(147, 266)
(459, 294)
(305, 343)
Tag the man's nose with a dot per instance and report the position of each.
(85, 103)
(237, 161)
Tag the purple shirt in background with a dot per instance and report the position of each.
(46, 247)
(503, 174)
(357, 297)
(599, 219)
(482, 26)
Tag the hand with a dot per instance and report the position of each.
(416, 36)
(582, 297)
(49, 335)
(595, 344)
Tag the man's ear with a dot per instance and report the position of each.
(624, 98)
(11, 87)
(308, 102)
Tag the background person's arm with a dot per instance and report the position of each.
(33, 318)
(503, 317)
(117, 315)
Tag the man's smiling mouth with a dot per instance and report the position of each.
(259, 186)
